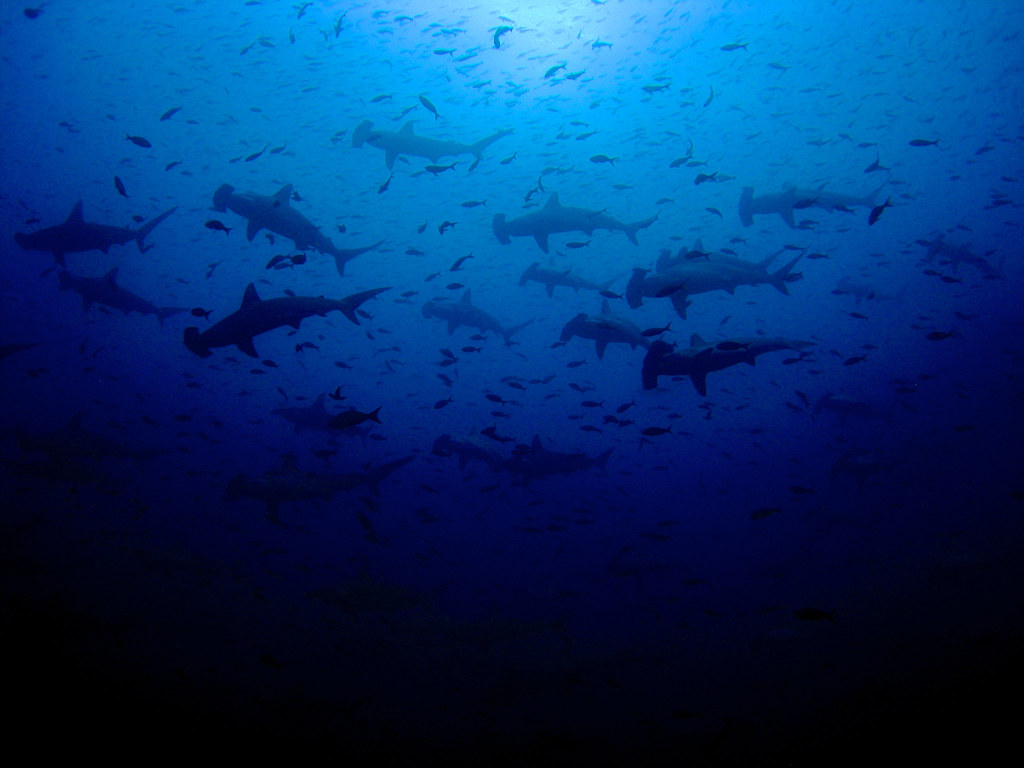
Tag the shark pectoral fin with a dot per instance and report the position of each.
(601, 344)
(452, 325)
(542, 241)
(389, 159)
(787, 216)
(699, 379)
(246, 346)
(551, 290)
(251, 229)
(75, 217)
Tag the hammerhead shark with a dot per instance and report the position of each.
(534, 460)
(289, 483)
(276, 214)
(604, 329)
(470, 448)
(702, 358)
(76, 234)
(463, 312)
(550, 278)
(257, 316)
(555, 217)
(406, 142)
(792, 198)
(105, 290)
(681, 277)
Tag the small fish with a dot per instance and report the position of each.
(352, 418)
(656, 88)
(940, 335)
(711, 96)
(575, 364)
(655, 431)
(923, 143)
(200, 312)
(218, 226)
(454, 286)
(734, 46)
(499, 32)
(138, 141)
(436, 169)
(603, 159)
(442, 403)
(577, 245)
(610, 294)
(384, 187)
(458, 264)
(119, 186)
(444, 226)
(656, 331)
(877, 211)
(381, 97)
(703, 177)
(430, 107)
(169, 113)
(473, 203)
(421, 228)
(554, 69)
(799, 490)
(172, 165)
(510, 158)
(854, 360)
(255, 155)
(760, 514)
(715, 211)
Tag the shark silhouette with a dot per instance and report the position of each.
(791, 198)
(703, 358)
(105, 290)
(550, 278)
(406, 142)
(463, 312)
(555, 217)
(257, 316)
(605, 329)
(76, 235)
(275, 213)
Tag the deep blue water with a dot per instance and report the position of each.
(753, 577)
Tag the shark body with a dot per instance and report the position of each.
(257, 316)
(467, 449)
(555, 217)
(463, 312)
(275, 212)
(702, 358)
(76, 235)
(551, 278)
(407, 142)
(105, 290)
(605, 329)
(793, 198)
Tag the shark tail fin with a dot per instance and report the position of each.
(148, 227)
(784, 275)
(636, 226)
(509, 332)
(350, 304)
(481, 145)
(194, 342)
(374, 477)
(344, 255)
(221, 197)
(501, 229)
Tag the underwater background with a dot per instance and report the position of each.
(524, 556)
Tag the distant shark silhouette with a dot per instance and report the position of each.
(531, 461)
(463, 312)
(792, 198)
(550, 278)
(471, 448)
(105, 290)
(76, 235)
(605, 329)
(257, 316)
(406, 142)
(555, 217)
(289, 483)
(956, 254)
(703, 358)
(275, 213)
(679, 277)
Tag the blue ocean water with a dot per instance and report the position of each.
(525, 555)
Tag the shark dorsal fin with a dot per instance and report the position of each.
(697, 341)
(407, 128)
(111, 276)
(606, 308)
(466, 298)
(75, 217)
(698, 245)
(552, 201)
(283, 196)
(250, 297)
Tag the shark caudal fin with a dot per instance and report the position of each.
(785, 275)
(194, 341)
(635, 288)
(146, 228)
(374, 477)
(636, 226)
(500, 229)
(507, 333)
(746, 206)
(350, 304)
(344, 255)
(481, 145)
(221, 197)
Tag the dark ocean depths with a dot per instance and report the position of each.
(532, 558)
